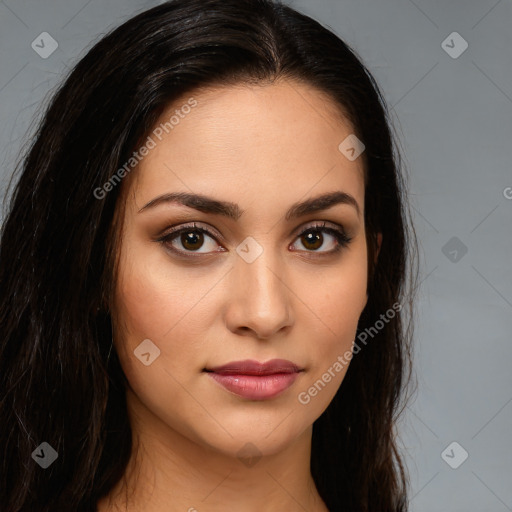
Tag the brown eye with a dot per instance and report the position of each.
(313, 239)
(192, 240)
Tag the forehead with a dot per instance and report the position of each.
(276, 140)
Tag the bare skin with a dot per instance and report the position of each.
(264, 148)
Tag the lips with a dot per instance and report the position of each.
(254, 380)
(249, 367)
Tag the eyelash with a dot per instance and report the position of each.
(342, 239)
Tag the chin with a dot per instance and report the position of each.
(250, 439)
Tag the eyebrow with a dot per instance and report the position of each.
(231, 210)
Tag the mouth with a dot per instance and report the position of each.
(253, 380)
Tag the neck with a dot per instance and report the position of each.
(169, 472)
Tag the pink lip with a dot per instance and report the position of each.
(254, 380)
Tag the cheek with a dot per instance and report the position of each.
(348, 301)
(337, 307)
(155, 298)
(340, 299)
(163, 303)
(151, 302)
(147, 303)
(338, 314)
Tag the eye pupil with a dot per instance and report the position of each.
(192, 237)
(314, 238)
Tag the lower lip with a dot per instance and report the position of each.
(255, 387)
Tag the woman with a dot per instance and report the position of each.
(202, 273)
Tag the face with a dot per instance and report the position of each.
(246, 277)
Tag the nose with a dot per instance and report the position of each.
(259, 297)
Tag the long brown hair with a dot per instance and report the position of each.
(58, 381)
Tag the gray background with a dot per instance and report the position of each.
(454, 118)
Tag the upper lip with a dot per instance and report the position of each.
(251, 367)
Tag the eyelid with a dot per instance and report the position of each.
(191, 226)
(209, 230)
(318, 224)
